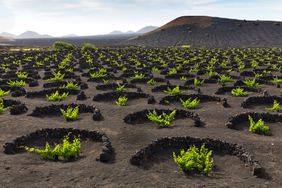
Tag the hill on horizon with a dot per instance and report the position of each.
(4, 39)
(205, 31)
(32, 34)
(140, 31)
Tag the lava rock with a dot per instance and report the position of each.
(18, 109)
(83, 86)
(97, 116)
(18, 93)
(265, 93)
(78, 79)
(105, 157)
(199, 91)
(225, 103)
(151, 100)
(198, 123)
(139, 90)
(81, 96)
(33, 83)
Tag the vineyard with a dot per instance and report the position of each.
(149, 117)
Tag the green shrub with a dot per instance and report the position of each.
(88, 47)
(60, 45)
(152, 82)
(121, 101)
(56, 96)
(69, 70)
(258, 127)
(211, 73)
(276, 107)
(3, 93)
(173, 91)
(70, 85)
(155, 69)
(190, 104)
(239, 92)
(251, 83)
(65, 151)
(172, 71)
(183, 78)
(22, 75)
(198, 82)
(57, 76)
(121, 88)
(224, 79)
(277, 80)
(17, 83)
(164, 120)
(2, 107)
(195, 160)
(138, 76)
(106, 81)
(99, 74)
(70, 113)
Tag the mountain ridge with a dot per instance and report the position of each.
(206, 31)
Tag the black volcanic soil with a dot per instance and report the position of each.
(28, 170)
(203, 31)
(102, 40)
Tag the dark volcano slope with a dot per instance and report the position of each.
(203, 31)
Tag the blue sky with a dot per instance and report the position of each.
(90, 17)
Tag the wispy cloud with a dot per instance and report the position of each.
(59, 17)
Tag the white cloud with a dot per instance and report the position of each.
(85, 17)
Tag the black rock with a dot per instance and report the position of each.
(198, 123)
(33, 83)
(199, 91)
(18, 109)
(97, 116)
(139, 90)
(18, 93)
(81, 96)
(265, 93)
(168, 83)
(83, 86)
(105, 157)
(225, 103)
(151, 100)
(78, 79)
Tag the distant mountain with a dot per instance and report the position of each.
(4, 39)
(205, 31)
(147, 29)
(116, 32)
(31, 35)
(8, 35)
(69, 36)
(129, 32)
(140, 31)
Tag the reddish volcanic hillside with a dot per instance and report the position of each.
(203, 31)
(3, 39)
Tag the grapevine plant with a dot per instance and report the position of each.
(190, 103)
(164, 120)
(195, 160)
(2, 107)
(275, 107)
(65, 152)
(239, 92)
(258, 127)
(70, 113)
(174, 91)
(121, 101)
(56, 96)
(3, 93)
